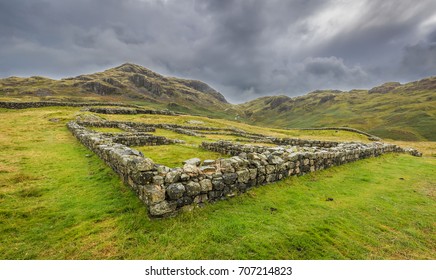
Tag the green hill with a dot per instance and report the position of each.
(125, 83)
(392, 110)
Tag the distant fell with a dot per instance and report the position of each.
(391, 110)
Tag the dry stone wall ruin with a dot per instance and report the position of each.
(166, 191)
(40, 104)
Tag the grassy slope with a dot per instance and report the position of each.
(406, 113)
(58, 201)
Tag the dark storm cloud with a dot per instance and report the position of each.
(245, 49)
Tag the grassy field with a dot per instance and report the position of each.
(59, 201)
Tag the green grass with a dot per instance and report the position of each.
(174, 155)
(107, 129)
(59, 201)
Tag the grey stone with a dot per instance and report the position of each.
(175, 191)
(206, 185)
(192, 188)
(162, 208)
(184, 177)
(253, 156)
(226, 165)
(229, 178)
(193, 161)
(218, 184)
(145, 165)
(207, 169)
(162, 169)
(270, 168)
(172, 176)
(243, 176)
(271, 178)
(272, 159)
(200, 198)
(208, 162)
(253, 173)
(190, 169)
(158, 180)
(153, 194)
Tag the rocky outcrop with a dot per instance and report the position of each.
(142, 81)
(100, 88)
(203, 87)
(384, 88)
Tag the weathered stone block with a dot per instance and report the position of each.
(192, 188)
(158, 180)
(217, 183)
(162, 208)
(253, 173)
(191, 170)
(270, 168)
(153, 194)
(172, 176)
(184, 177)
(273, 159)
(205, 185)
(243, 176)
(271, 178)
(208, 169)
(145, 164)
(175, 191)
(229, 178)
(208, 162)
(201, 198)
(193, 161)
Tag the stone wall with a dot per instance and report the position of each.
(126, 126)
(130, 111)
(166, 190)
(39, 104)
(140, 139)
(370, 136)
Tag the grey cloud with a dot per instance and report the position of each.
(245, 49)
(419, 60)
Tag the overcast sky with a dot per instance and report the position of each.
(244, 49)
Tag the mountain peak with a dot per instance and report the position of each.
(137, 69)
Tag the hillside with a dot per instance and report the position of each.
(127, 83)
(392, 110)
